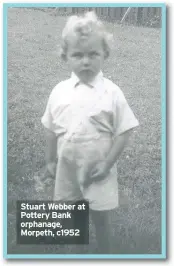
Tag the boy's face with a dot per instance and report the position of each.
(85, 56)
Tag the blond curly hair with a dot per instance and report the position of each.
(83, 26)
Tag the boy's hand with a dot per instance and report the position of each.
(44, 177)
(100, 171)
(51, 168)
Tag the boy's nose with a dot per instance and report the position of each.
(85, 61)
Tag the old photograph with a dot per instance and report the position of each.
(84, 120)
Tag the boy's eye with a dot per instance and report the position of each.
(77, 55)
(94, 54)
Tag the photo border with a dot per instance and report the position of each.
(163, 135)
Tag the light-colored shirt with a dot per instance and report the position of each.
(86, 110)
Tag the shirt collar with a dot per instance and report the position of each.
(93, 84)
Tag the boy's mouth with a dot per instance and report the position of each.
(86, 71)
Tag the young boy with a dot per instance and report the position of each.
(88, 123)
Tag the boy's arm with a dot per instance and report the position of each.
(124, 122)
(119, 144)
(51, 151)
(50, 157)
(102, 169)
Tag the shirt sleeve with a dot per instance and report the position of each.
(47, 119)
(124, 118)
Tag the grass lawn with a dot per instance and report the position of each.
(34, 68)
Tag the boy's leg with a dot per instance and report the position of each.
(82, 223)
(104, 231)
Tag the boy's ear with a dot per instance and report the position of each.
(106, 55)
(62, 55)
